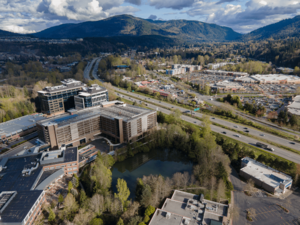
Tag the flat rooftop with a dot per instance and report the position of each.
(66, 84)
(264, 173)
(94, 89)
(19, 206)
(122, 111)
(275, 77)
(14, 126)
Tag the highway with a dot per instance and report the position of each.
(248, 140)
(86, 72)
(260, 134)
(278, 151)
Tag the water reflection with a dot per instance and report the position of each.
(164, 162)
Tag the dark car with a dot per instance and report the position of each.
(247, 131)
(293, 143)
(224, 132)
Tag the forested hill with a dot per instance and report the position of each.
(283, 29)
(126, 25)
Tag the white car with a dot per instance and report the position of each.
(262, 135)
(237, 135)
(236, 126)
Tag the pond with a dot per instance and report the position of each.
(156, 162)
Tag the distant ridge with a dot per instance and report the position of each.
(127, 25)
(283, 29)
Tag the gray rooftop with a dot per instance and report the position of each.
(123, 111)
(94, 89)
(14, 126)
(66, 84)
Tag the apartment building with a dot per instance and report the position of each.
(24, 180)
(115, 119)
(55, 100)
(90, 97)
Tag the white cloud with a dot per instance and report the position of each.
(255, 14)
(173, 4)
(26, 16)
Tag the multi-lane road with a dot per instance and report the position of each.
(161, 106)
(86, 72)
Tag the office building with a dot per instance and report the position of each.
(55, 100)
(90, 97)
(24, 180)
(189, 209)
(115, 119)
(264, 176)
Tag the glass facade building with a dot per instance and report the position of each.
(58, 99)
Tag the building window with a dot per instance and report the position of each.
(74, 168)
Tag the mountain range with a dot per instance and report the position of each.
(178, 30)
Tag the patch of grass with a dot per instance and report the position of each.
(15, 145)
(3, 151)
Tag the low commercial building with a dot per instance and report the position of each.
(16, 128)
(115, 119)
(189, 209)
(182, 69)
(226, 86)
(226, 73)
(294, 106)
(90, 97)
(264, 176)
(24, 180)
(276, 79)
(215, 66)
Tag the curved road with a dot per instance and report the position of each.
(86, 72)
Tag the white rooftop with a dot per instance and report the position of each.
(264, 173)
(275, 77)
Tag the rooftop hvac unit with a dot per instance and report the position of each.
(168, 215)
(186, 222)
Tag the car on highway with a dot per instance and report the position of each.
(193, 113)
(236, 135)
(213, 118)
(261, 135)
(271, 149)
(293, 143)
(247, 131)
(195, 121)
(224, 132)
(236, 126)
(245, 127)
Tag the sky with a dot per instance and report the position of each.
(29, 16)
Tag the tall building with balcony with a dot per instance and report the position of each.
(90, 97)
(56, 100)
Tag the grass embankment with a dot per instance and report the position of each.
(225, 127)
(238, 120)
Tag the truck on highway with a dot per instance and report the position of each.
(262, 145)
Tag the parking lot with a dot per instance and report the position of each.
(267, 212)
